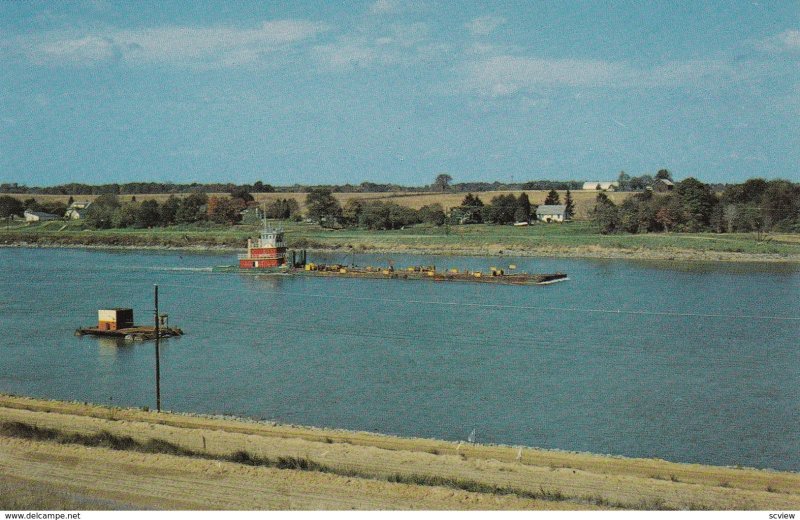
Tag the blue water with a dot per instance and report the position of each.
(697, 366)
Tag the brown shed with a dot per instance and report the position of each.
(114, 319)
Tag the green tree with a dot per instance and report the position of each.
(471, 200)
(125, 215)
(432, 214)
(169, 210)
(569, 210)
(224, 210)
(664, 174)
(242, 194)
(260, 187)
(148, 214)
(351, 212)
(32, 205)
(523, 212)
(697, 201)
(552, 198)
(282, 209)
(54, 208)
(323, 207)
(192, 208)
(605, 214)
(640, 183)
(386, 215)
(101, 213)
(780, 204)
(502, 210)
(9, 206)
(442, 182)
(668, 212)
(624, 181)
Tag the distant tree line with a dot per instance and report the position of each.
(324, 208)
(132, 188)
(755, 205)
(442, 183)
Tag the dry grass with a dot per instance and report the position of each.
(361, 469)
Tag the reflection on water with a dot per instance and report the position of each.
(678, 373)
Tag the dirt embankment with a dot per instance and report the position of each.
(57, 454)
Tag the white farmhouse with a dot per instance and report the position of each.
(77, 210)
(551, 213)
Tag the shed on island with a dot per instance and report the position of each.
(551, 213)
(114, 319)
(663, 185)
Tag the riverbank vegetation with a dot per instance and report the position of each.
(757, 206)
(579, 239)
(758, 218)
(232, 463)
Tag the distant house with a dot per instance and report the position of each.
(39, 216)
(663, 185)
(77, 210)
(601, 186)
(551, 213)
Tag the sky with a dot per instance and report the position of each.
(394, 91)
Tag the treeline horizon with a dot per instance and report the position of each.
(152, 188)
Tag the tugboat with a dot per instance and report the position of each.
(267, 252)
(267, 256)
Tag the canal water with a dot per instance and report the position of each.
(685, 362)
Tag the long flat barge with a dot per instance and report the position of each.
(495, 276)
(131, 333)
(267, 255)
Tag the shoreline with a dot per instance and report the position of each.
(334, 468)
(579, 252)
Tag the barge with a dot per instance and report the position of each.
(268, 255)
(118, 323)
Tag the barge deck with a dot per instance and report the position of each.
(131, 333)
(411, 273)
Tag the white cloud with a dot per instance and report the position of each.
(400, 44)
(787, 41)
(222, 46)
(484, 25)
(505, 75)
(384, 7)
(349, 53)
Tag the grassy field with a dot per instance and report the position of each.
(56, 454)
(578, 238)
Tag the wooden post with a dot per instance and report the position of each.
(158, 353)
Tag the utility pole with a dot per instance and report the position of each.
(158, 353)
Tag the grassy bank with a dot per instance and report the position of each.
(571, 239)
(133, 458)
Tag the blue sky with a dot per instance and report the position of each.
(391, 91)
